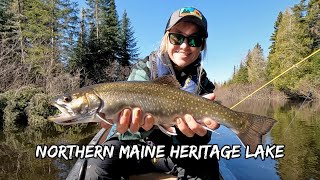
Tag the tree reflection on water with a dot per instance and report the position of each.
(297, 128)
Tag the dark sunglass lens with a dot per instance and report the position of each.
(195, 41)
(176, 39)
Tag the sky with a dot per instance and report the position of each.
(234, 27)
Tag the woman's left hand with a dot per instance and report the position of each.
(189, 126)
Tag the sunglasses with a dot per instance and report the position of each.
(178, 39)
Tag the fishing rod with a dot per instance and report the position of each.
(293, 66)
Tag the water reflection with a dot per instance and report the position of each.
(297, 129)
(17, 153)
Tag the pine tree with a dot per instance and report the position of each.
(11, 28)
(67, 28)
(39, 27)
(270, 64)
(256, 65)
(110, 32)
(76, 61)
(103, 40)
(310, 82)
(274, 34)
(292, 44)
(128, 49)
(313, 20)
(4, 16)
(12, 72)
(241, 75)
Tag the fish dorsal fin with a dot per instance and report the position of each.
(169, 80)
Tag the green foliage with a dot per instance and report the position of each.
(256, 65)
(274, 34)
(38, 110)
(128, 50)
(49, 29)
(252, 69)
(38, 42)
(310, 83)
(102, 53)
(4, 16)
(292, 45)
(313, 20)
(17, 101)
(77, 59)
(296, 34)
(241, 76)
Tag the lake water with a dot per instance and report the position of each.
(298, 129)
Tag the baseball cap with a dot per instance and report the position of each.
(189, 14)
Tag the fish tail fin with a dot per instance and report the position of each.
(256, 127)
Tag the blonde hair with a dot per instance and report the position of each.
(163, 49)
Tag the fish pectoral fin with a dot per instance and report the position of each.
(168, 130)
(104, 120)
(210, 129)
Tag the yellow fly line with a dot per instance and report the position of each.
(295, 65)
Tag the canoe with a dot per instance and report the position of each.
(79, 169)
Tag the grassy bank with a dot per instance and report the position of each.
(240, 91)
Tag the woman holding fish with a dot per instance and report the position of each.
(180, 54)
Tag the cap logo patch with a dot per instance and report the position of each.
(190, 11)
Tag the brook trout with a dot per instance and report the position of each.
(161, 98)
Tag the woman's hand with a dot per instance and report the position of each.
(133, 120)
(188, 126)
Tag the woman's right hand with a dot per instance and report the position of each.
(130, 119)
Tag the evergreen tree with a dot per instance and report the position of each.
(103, 41)
(128, 49)
(67, 28)
(4, 16)
(292, 44)
(37, 30)
(12, 72)
(313, 20)
(256, 65)
(95, 13)
(241, 75)
(11, 29)
(270, 64)
(78, 61)
(274, 34)
(110, 32)
(310, 82)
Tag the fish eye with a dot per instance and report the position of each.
(67, 98)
